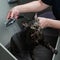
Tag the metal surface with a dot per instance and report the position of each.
(10, 22)
(5, 54)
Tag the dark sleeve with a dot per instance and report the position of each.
(48, 2)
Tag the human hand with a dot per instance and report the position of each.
(13, 13)
(43, 22)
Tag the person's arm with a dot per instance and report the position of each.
(46, 22)
(34, 6)
(54, 24)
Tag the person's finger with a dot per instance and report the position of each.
(16, 15)
(9, 14)
(12, 15)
